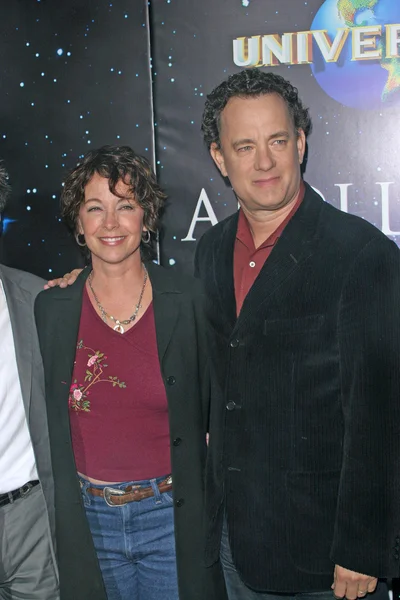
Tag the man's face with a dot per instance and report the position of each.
(260, 151)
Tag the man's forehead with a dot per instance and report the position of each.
(240, 110)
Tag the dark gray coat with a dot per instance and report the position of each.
(182, 346)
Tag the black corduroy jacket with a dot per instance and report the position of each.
(304, 453)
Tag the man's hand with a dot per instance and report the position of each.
(351, 585)
(67, 279)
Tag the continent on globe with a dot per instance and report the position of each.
(347, 8)
(393, 82)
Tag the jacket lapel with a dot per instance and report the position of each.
(222, 270)
(62, 325)
(166, 302)
(20, 308)
(293, 247)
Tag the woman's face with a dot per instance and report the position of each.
(112, 225)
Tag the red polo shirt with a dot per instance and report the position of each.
(249, 260)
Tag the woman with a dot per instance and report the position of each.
(125, 357)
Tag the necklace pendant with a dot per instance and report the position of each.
(119, 324)
(119, 327)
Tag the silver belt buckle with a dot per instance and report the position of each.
(107, 491)
(25, 489)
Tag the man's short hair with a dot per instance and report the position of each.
(4, 187)
(251, 83)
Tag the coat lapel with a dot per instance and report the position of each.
(166, 296)
(291, 250)
(62, 327)
(222, 271)
(20, 308)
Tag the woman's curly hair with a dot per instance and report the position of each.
(251, 82)
(116, 163)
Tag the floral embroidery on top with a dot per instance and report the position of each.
(78, 393)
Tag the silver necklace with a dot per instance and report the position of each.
(118, 322)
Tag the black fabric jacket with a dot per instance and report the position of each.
(304, 450)
(182, 346)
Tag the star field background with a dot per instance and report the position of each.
(74, 75)
(193, 53)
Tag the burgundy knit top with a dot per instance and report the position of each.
(117, 403)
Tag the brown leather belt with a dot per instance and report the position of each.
(132, 493)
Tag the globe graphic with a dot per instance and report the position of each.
(365, 84)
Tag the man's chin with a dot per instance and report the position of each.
(265, 204)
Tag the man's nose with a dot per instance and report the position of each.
(264, 159)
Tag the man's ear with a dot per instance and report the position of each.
(218, 158)
(301, 144)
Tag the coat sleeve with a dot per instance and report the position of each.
(204, 337)
(367, 526)
(197, 258)
(203, 351)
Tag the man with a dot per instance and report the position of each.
(304, 466)
(27, 565)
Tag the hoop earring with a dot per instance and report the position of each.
(146, 239)
(77, 240)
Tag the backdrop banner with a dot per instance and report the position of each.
(74, 76)
(342, 55)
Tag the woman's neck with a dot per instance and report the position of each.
(120, 290)
(117, 278)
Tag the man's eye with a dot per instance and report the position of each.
(280, 142)
(244, 148)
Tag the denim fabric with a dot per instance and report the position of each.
(237, 590)
(135, 543)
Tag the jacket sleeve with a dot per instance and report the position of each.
(197, 259)
(203, 350)
(367, 526)
(39, 311)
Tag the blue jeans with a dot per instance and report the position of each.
(237, 590)
(135, 543)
